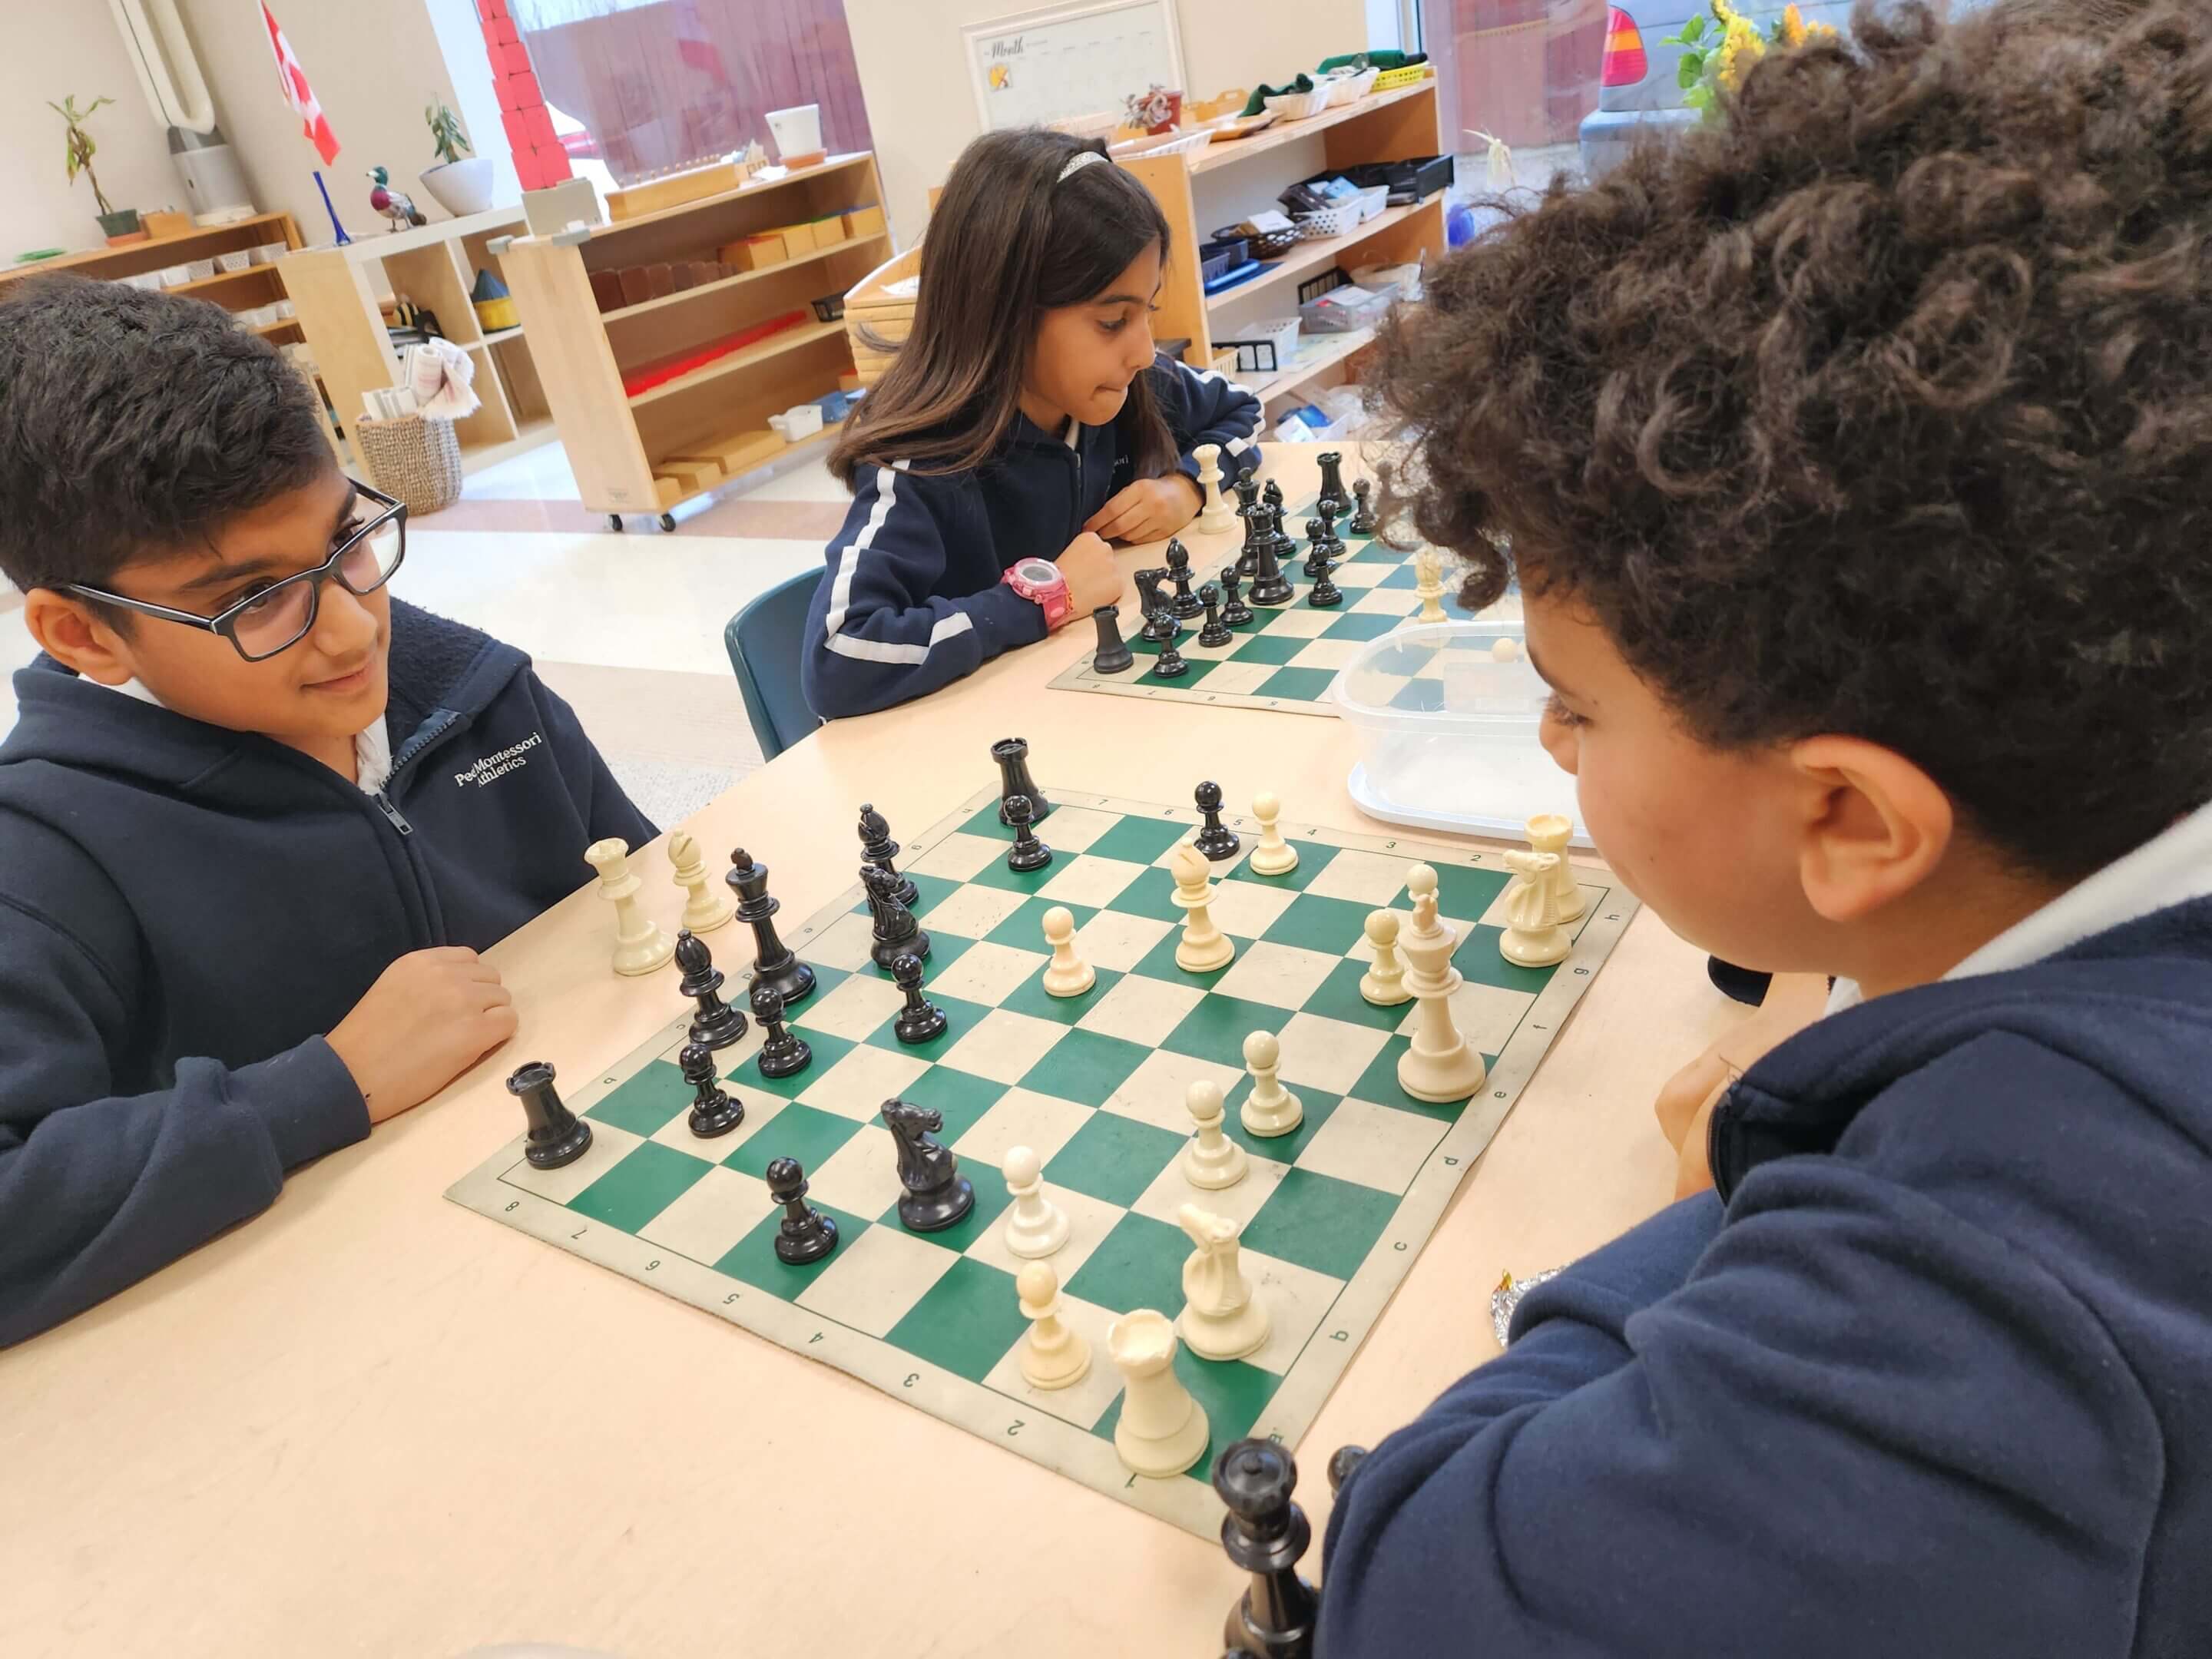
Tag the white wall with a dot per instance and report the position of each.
(922, 112)
(55, 49)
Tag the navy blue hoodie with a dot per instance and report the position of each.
(1937, 1380)
(184, 910)
(911, 600)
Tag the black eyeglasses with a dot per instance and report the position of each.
(278, 616)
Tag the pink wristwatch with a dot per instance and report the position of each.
(1040, 581)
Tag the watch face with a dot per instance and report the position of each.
(1039, 572)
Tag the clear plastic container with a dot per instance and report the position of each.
(1446, 717)
(1342, 310)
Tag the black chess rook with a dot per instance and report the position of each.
(1264, 1534)
(717, 1024)
(1113, 655)
(774, 964)
(713, 1110)
(805, 1234)
(1012, 755)
(880, 850)
(1332, 498)
(557, 1135)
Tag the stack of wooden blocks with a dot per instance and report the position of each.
(539, 159)
(787, 242)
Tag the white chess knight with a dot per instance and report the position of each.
(1036, 1225)
(1440, 1065)
(1068, 974)
(640, 945)
(1549, 832)
(1534, 935)
(1211, 1160)
(1429, 586)
(1270, 1110)
(1203, 947)
(1055, 1354)
(705, 910)
(1273, 856)
(1383, 984)
(1218, 516)
(1162, 1430)
(1221, 1319)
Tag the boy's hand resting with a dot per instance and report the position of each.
(1148, 510)
(429, 1018)
(1093, 579)
(1685, 1103)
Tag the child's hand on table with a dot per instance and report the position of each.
(1148, 510)
(1093, 579)
(1686, 1102)
(429, 1018)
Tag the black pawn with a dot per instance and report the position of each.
(786, 1051)
(896, 929)
(1012, 755)
(937, 1194)
(805, 1234)
(557, 1135)
(773, 961)
(1234, 611)
(1113, 655)
(1265, 1532)
(921, 1019)
(1329, 540)
(1170, 663)
(1028, 853)
(879, 849)
(1215, 839)
(1363, 511)
(1216, 631)
(1317, 550)
(1325, 594)
(714, 1112)
(1345, 1459)
(1334, 501)
(1185, 602)
(716, 1024)
(1270, 586)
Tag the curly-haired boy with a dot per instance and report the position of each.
(1854, 461)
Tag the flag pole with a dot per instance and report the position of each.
(343, 238)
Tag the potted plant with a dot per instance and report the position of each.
(461, 183)
(119, 228)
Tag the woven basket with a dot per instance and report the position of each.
(416, 457)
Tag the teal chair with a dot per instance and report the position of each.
(764, 640)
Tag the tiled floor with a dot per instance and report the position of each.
(628, 628)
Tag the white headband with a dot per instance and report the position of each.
(1077, 162)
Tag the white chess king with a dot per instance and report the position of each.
(1442, 1066)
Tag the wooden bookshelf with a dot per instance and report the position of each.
(647, 450)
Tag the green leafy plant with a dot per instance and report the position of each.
(81, 147)
(1716, 60)
(445, 133)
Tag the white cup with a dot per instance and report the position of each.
(798, 131)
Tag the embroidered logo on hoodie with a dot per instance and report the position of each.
(489, 766)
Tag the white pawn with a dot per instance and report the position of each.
(1270, 1110)
(1440, 1065)
(1429, 586)
(1547, 832)
(1204, 946)
(1068, 974)
(1506, 648)
(1273, 856)
(1162, 1430)
(1533, 937)
(1218, 516)
(1384, 984)
(1220, 1320)
(1055, 1355)
(1036, 1225)
(705, 910)
(640, 945)
(1213, 1160)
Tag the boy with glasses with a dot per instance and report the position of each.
(248, 848)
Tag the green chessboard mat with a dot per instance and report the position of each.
(1287, 655)
(1334, 1212)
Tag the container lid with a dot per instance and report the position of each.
(1445, 678)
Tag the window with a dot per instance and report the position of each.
(1523, 70)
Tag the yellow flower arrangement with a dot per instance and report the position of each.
(1707, 70)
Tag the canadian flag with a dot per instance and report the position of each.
(298, 94)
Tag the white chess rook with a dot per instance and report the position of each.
(1533, 937)
(1440, 1065)
(1549, 832)
(705, 910)
(1162, 1430)
(1068, 974)
(1383, 984)
(1036, 1225)
(1273, 856)
(1054, 1355)
(1270, 1110)
(1203, 947)
(1218, 516)
(1211, 1160)
(640, 945)
(1221, 1319)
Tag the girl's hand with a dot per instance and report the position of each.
(1093, 578)
(1149, 510)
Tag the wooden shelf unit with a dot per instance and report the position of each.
(1218, 184)
(639, 453)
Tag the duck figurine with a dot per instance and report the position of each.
(393, 204)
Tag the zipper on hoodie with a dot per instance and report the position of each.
(392, 814)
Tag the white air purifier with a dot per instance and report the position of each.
(154, 36)
(213, 184)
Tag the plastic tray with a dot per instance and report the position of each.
(1235, 276)
(1298, 106)
(1342, 310)
(1447, 732)
(1391, 80)
(1339, 220)
(1350, 88)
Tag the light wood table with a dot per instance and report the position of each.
(370, 1421)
